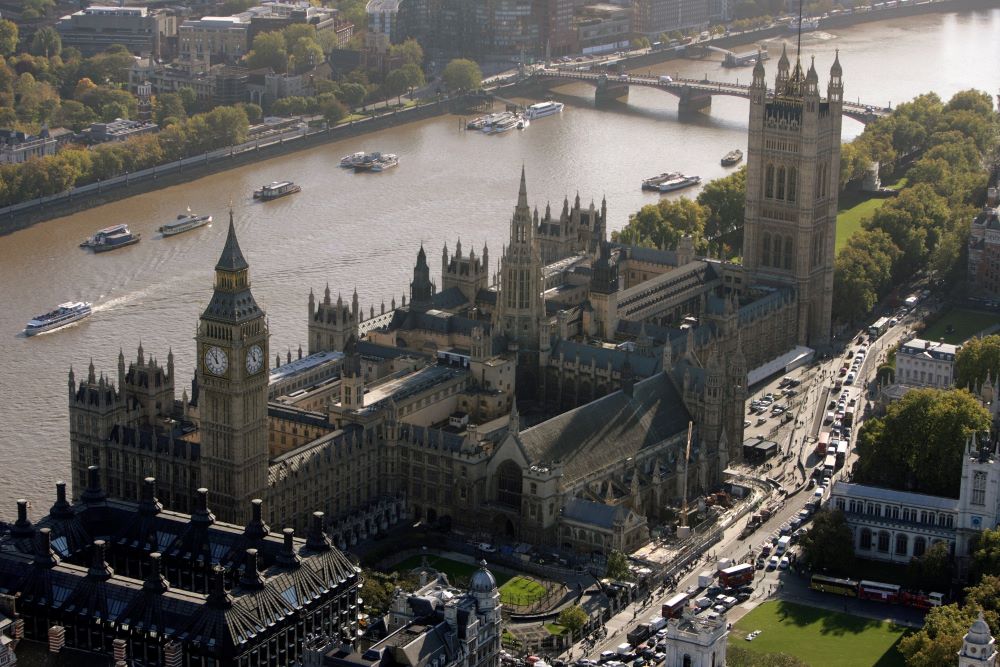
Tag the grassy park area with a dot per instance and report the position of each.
(819, 636)
(453, 568)
(958, 325)
(521, 591)
(855, 207)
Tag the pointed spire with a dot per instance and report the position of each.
(783, 60)
(514, 423)
(231, 258)
(326, 293)
(522, 193)
(811, 76)
(835, 69)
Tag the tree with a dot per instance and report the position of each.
(932, 570)
(862, 273)
(253, 111)
(618, 567)
(74, 115)
(396, 83)
(409, 52)
(35, 9)
(169, 106)
(978, 358)
(83, 86)
(331, 108)
(296, 31)
(725, 200)
(8, 38)
(919, 444)
(986, 554)
(640, 43)
(352, 94)
(662, 225)
(414, 75)
(573, 618)
(986, 596)
(189, 97)
(829, 544)
(462, 74)
(46, 42)
(268, 51)
(940, 639)
(306, 54)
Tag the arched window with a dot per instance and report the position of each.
(792, 185)
(788, 252)
(687, 660)
(883, 541)
(509, 484)
(765, 249)
(779, 186)
(866, 539)
(902, 543)
(919, 547)
(769, 181)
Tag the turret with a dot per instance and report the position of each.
(835, 88)
(781, 80)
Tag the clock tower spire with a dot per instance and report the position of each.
(232, 377)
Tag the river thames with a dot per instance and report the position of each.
(363, 230)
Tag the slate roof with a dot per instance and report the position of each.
(448, 299)
(608, 430)
(651, 255)
(595, 514)
(601, 356)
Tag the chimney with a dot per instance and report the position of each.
(22, 527)
(61, 509)
(93, 493)
(287, 556)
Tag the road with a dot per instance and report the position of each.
(790, 469)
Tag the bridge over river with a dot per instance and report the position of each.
(694, 94)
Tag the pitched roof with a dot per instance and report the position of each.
(608, 430)
(231, 258)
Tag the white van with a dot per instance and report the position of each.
(666, 79)
(783, 544)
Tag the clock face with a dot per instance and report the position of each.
(216, 360)
(255, 359)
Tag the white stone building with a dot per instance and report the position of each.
(696, 642)
(978, 646)
(897, 526)
(925, 363)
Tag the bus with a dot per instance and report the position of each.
(674, 607)
(822, 443)
(738, 575)
(922, 600)
(876, 590)
(880, 327)
(845, 587)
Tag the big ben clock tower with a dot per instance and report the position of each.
(232, 377)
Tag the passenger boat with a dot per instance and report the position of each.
(275, 190)
(348, 161)
(679, 183)
(732, 157)
(387, 161)
(542, 109)
(493, 121)
(185, 222)
(367, 161)
(65, 313)
(522, 122)
(653, 183)
(111, 238)
(808, 25)
(476, 123)
(505, 125)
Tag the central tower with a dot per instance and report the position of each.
(793, 172)
(520, 305)
(232, 377)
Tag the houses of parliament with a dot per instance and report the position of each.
(546, 399)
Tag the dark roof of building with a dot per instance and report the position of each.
(651, 255)
(608, 430)
(601, 357)
(437, 321)
(448, 299)
(232, 258)
(595, 514)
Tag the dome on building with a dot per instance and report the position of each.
(979, 633)
(482, 580)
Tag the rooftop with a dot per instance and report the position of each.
(303, 364)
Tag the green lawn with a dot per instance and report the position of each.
(556, 629)
(522, 591)
(856, 206)
(452, 568)
(966, 323)
(820, 637)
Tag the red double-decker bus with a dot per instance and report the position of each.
(876, 590)
(738, 575)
